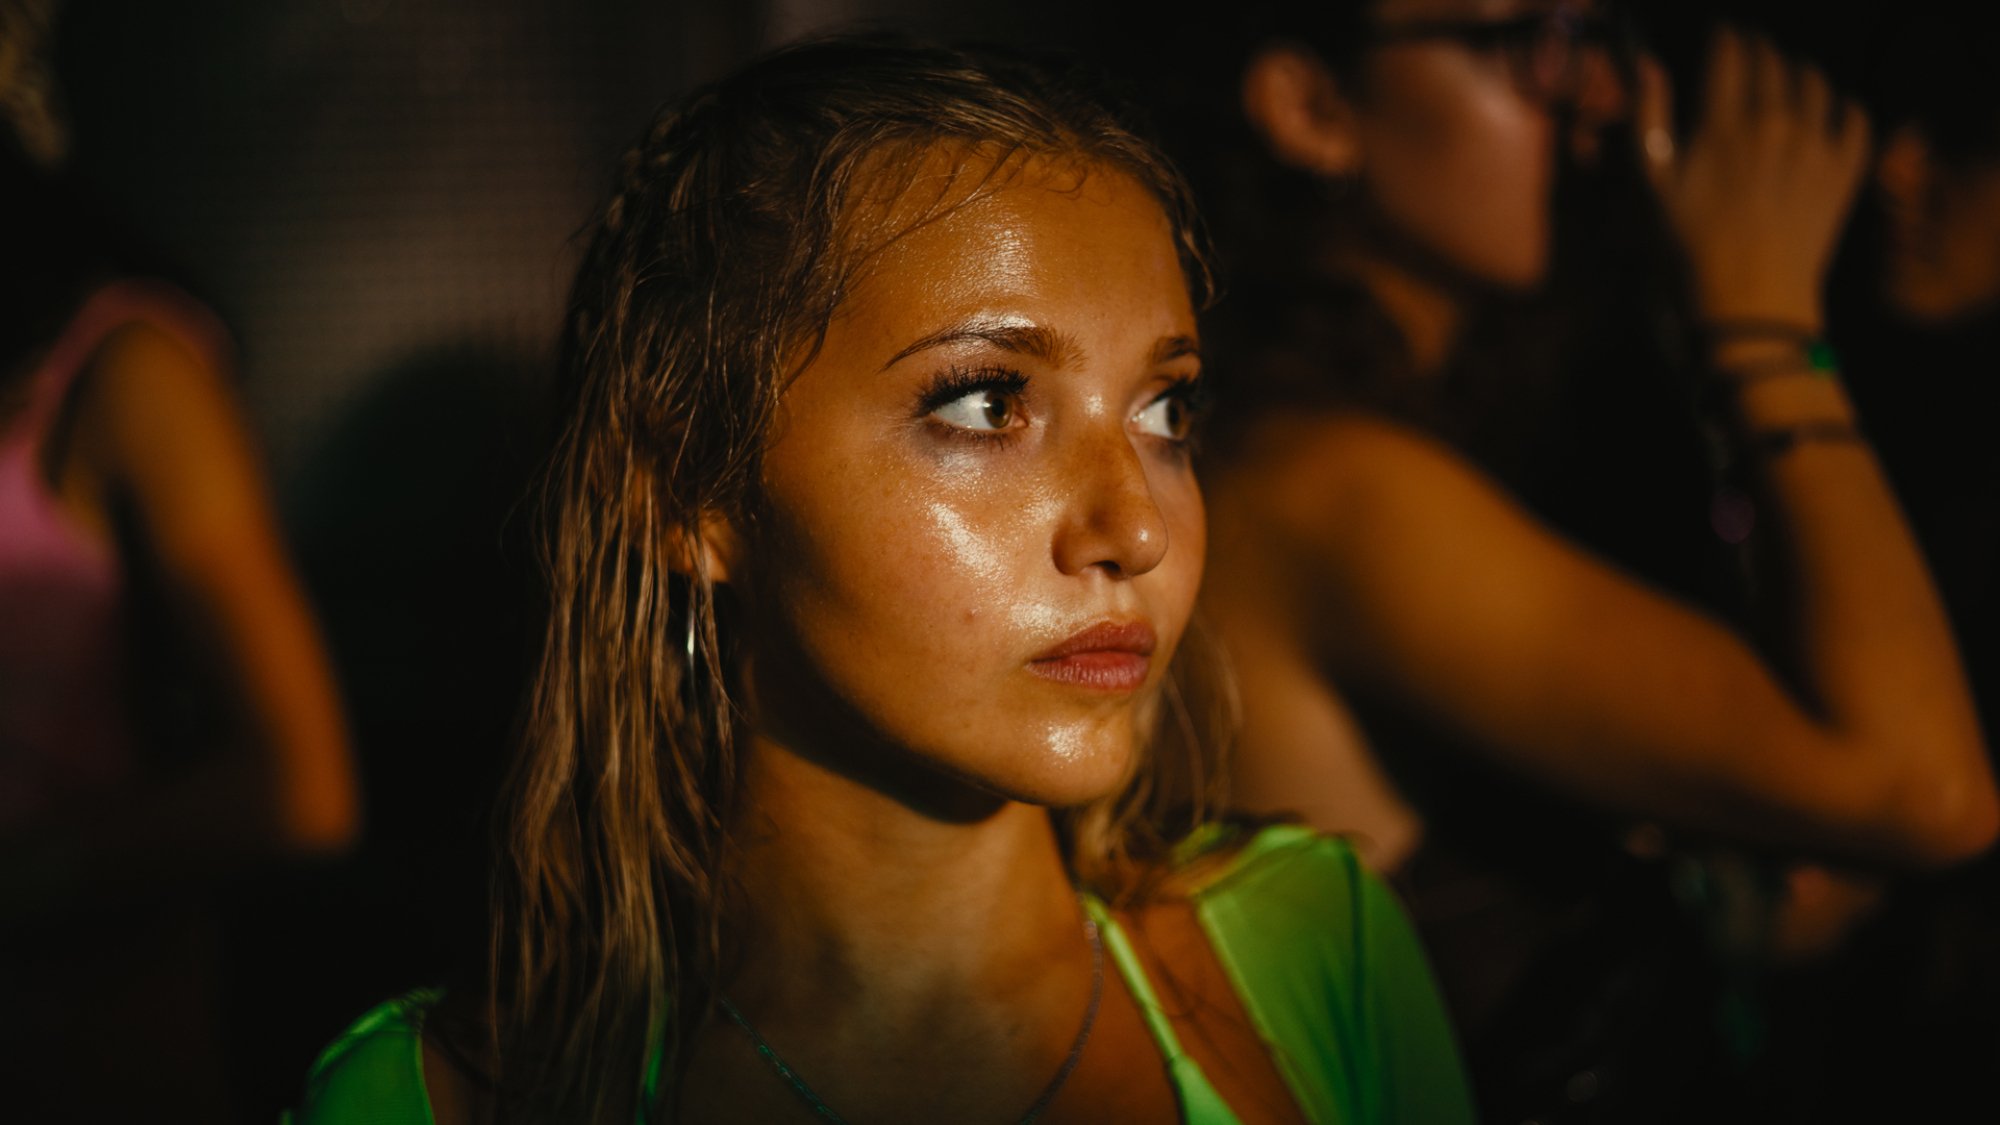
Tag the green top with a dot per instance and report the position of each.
(1317, 949)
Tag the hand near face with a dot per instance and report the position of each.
(1759, 195)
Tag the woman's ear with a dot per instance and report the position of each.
(1291, 98)
(714, 549)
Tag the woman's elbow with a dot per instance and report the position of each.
(1970, 829)
(1950, 821)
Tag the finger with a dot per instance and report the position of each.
(1771, 95)
(1858, 128)
(1853, 138)
(1844, 159)
(1816, 107)
(1653, 120)
(1725, 92)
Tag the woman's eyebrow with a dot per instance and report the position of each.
(1171, 348)
(1057, 349)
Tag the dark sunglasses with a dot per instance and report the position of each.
(1544, 51)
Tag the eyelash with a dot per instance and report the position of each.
(1193, 391)
(954, 383)
(1196, 394)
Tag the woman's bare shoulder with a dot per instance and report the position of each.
(1355, 493)
(1299, 465)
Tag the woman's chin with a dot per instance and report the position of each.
(1071, 766)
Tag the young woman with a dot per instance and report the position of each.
(1544, 657)
(1424, 660)
(861, 780)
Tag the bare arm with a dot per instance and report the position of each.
(169, 436)
(1427, 580)
(157, 425)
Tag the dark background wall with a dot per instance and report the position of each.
(382, 198)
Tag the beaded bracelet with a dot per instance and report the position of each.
(1815, 357)
(1751, 328)
(1772, 443)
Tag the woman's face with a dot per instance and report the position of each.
(1452, 149)
(1944, 249)
(979, 535)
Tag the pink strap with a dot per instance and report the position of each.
(109, 308)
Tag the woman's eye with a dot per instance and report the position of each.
(984, 410)
(1168, 416)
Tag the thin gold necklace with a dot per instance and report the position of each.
(826, 1112)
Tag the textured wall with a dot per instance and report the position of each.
(360, 182)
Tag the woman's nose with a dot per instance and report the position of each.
(1112, 521)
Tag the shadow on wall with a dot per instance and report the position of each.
(412, 531)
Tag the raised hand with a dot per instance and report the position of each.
(1759, 194)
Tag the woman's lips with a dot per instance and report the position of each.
(1109, 656)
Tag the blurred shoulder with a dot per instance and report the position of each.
(1313, 474)
(131, 327)
(1335, 439)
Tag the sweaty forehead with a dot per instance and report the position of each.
(964, 227)
(900, 190)
(1088, 260)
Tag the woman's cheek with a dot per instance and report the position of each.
(1463, 165)
(965, 547)
(972, 567)
(986, 518)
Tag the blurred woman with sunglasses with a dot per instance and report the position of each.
(1423, 660)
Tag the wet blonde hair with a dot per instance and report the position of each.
(709, 282)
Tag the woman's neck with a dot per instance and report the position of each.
(860, 901)
(1428, 314)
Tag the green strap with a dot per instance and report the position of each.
(1127, 961)
(1200, 1104)
(656, 1050)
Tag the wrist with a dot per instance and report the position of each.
(1803, 332)
(1751, 316)
(1776, 380)
(1744, 359)
(1744, 350)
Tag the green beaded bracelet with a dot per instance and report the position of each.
(1818, 354)
(1816, 358)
